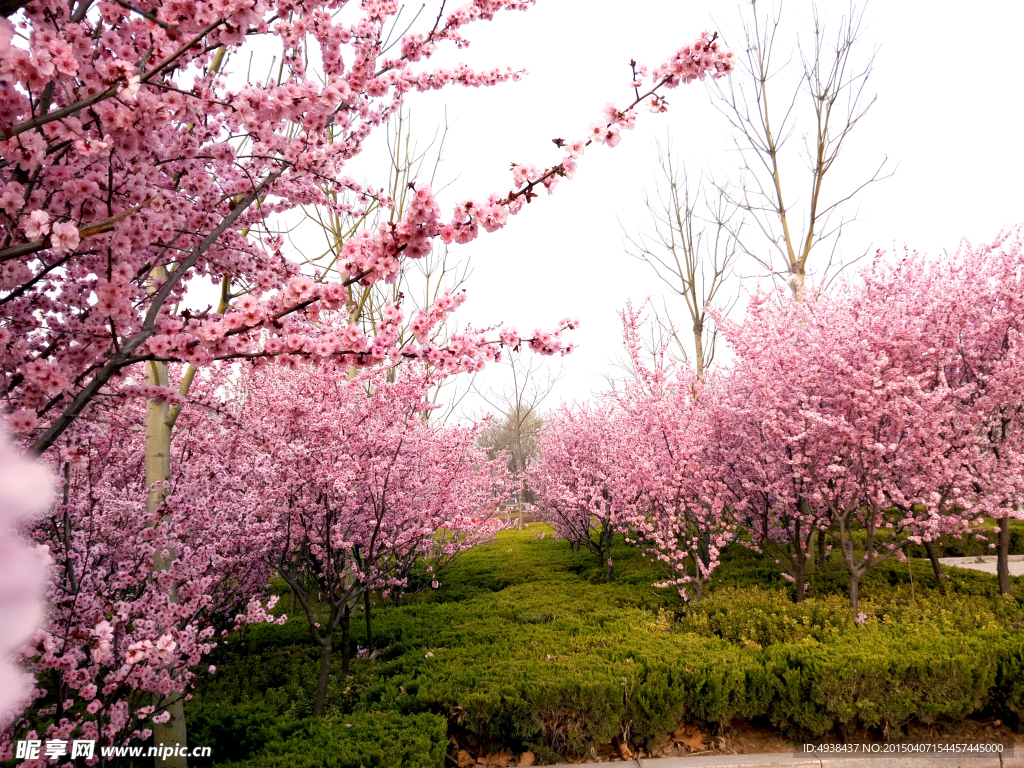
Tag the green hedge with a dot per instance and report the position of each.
(870, 680)
(525, 647)
(255, 736)
(358, 741)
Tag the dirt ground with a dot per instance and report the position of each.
(741, 737)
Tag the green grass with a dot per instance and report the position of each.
(524, 646)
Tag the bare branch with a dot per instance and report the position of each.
(824, 85)
(691, 244)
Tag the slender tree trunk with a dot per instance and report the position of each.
(821, 548)
(804, 547)
(855, 595)
(1003, 556)
(366, 608)
(933, 556)
(158, 471)
(345, 635)
(801, 575)
(698, 347)
(320, 702)
(698, 585)
(607, 534)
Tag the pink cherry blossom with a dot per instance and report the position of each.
(64, 237)
(38, 225)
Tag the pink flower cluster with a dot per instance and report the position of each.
(705, 56)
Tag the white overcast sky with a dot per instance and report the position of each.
(948, 116)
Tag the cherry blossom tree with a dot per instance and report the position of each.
(678, 516)
(362, 490)
(135, 165)
(637, 463)
(854, 386)
(971, 307)
(122, 640)
(578, 480)
(763, 481)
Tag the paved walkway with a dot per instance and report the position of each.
(771, 760)
(985, 563)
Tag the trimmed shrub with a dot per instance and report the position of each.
(519, 649)
(870, 679)
(255, 736)
(357, 741)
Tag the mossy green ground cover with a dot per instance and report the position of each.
(525, 647)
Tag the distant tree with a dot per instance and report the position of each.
(516, 422)
(580, 485)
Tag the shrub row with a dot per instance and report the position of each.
(592, 691)
(254, 735)
(519, 649)
(598, 687)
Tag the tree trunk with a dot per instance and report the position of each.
(158, 471)
(345, 635)
(698, 347)
(821, 548)
(801, 575)
(803, 546)
(1003, 556)
(366, 608)
(929, 547)
(855, 595)
(698, 585)
(320, 702)
(607, 534)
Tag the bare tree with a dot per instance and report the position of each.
(517, 423)
(693, 252)
(419, 282)
(825, 103)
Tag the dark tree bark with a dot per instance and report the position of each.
(11, 7)
(855, 594)
(324, 678)
(1003, 557)
(345, 636)
(366, 608)
(929, 547)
